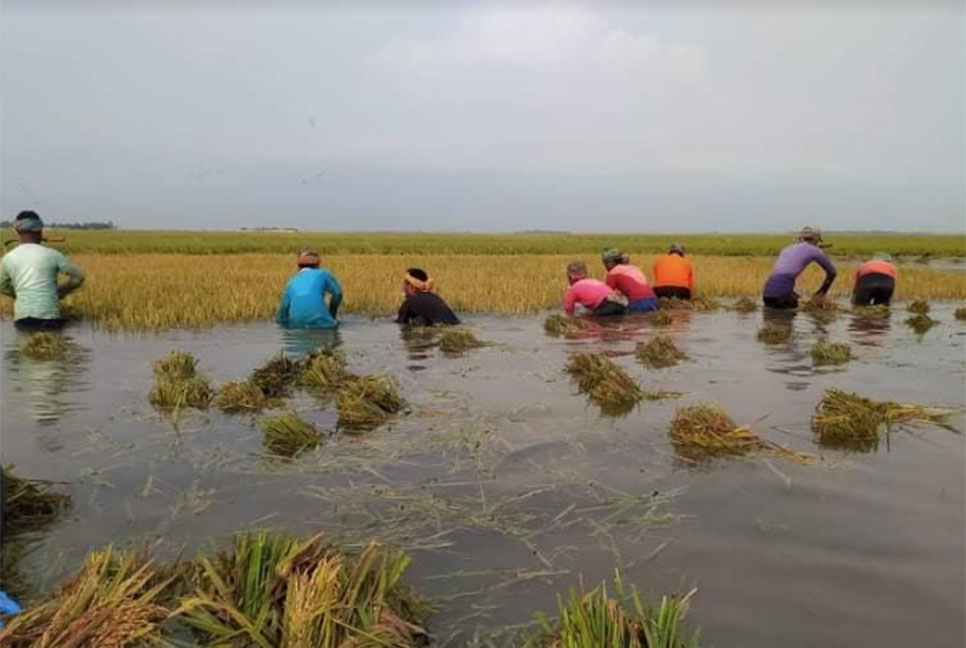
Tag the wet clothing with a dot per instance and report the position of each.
(790, 263)
(629, 281)
(34, 324)
(676, 292)
(303, 302)
(873, 288)
(643, 305)
(673, 271)
(782, 301)
(876, 266)
(608, 307)
(29, 272)
(589, 293)
(425, 309)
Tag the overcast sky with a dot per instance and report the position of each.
(553, 115)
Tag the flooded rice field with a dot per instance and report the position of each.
(507, 486)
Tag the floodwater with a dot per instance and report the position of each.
(508, 487)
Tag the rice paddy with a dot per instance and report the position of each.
(822, 309)
(458, 340)
(367, 402)
(44, 346)
(960, 313)
(605, 382)
(921, 323)
(287, 435)
(831, 353)
(659, 352)
(325, 371)
(241, 396)
(919, 306)
(662, 318)
(772, 333)
(557, 324)
(277, 377)
(177, 383)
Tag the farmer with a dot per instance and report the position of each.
(303, 302)
(673, 276)
(779, 289)
(875, 281)
(29, 272)
(423, 307)
(594, 295)
(629, 281)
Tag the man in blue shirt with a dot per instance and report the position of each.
(303, 302)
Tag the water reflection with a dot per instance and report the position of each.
(418, 340)
(299, 342)
(868, 325)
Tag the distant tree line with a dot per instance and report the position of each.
(92, 225)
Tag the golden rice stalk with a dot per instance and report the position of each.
(367, 402)
(277, 376)
(30, 503)
(605, 382)
(831, 353)
(177, 394)
(775, 333)
(704, 304)
(662, 318)
(241, 396)
(557, 324)
(961, 313)
(324, 371)
(458, 340)
(876, 311)
(43, 345)
(288, 434)
(920, 323)
(745, 305)
(675, 303)
(821, 308)
(920, 306)
(658, 352)
(175, 365)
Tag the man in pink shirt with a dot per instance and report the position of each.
(592, 294)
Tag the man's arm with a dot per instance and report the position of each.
(6, 282)
(75, 276)
(569, 300)
(281, 315)
(335, 290)
(403, 316)
(691, 278)
(823, 261)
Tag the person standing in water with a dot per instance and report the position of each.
(594, 295)
(673, 275)
(875, 281)
(423, 307)
(303, 302)
(779, 291)
(29, 273)
(629, 281)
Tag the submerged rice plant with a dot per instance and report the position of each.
(658, 352)
(675, 303)
(821, 308)
(241, 396)
(277, 376)
(745, 305)
(288, 434)
(557, 324)
(594, 619)
(920, 306)
(458, 340)
(324, 371)
(177, 383)
(662, 318)
(704, 304)
(29, 503)
(367, 402)
(920, 323)
(176, 365)
(876, 311)
(831, 353)
(43, 345)
(775, 333)
(272, 590)
(605, 382)
(961, 313)
(111, 602)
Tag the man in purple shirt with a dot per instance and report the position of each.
(780, 288)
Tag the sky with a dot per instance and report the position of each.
(473, 116)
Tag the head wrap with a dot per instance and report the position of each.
(676, 248)
(419, 284)
(811, 234)
(308, 258)
(28, 224)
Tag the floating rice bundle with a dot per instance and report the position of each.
(831, 353)
(176, 365)
(845, 419)
(876, 311)
(745, 305)
(273, 590)
(961, 313)
(675, 303)
(920, 323)
(703, 304)
(458, 340)
(177, 384)
(288, 434)
(699, 432)
(44, 346)
(241, 396)
(604, 382)
(276, 377)
(775, 333)
(325, 370)
(658, 352)
(821, 308)
(596, 620)
(662, 318)
(30, 503)
(111, 602)
(920, 306)
(565, 325)
(367, 402)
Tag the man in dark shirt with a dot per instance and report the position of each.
(421, 307)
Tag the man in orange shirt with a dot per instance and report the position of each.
(875, 281)
(673, 276)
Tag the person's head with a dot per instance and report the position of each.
(811, 235)
(29, 227)
(676, 248)
(576, 270)
(613, 257)
(308, 259)
(416, 281)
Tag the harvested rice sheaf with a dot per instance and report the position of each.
(831, 353)
(557, 324)
(30, 503)
(288, 434)
(324, 371)
(920, 306)
(277, 376)
(177, 384)
(700, 432)
(604, 382)
(745, 305)
(595, 619)
(176, 365)
(920, 323)
(961, 313)
(775, 333)
(704, 304)
(458, 340)
(113, 601)
(675, 303)
(662, 318)
(659, 352)
(876, 311)
(241, 396)
(367, 402)
(821, 308)
(44, 346)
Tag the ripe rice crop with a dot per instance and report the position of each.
(659, 352)
(456, 341)
(775, 333)
(831, 353)
(605, 382)
(287, 435)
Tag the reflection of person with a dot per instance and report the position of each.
(780, 287)
(29, 272)
(628, 280)
(673, 275)
(423, 307)
(592, 294)
(875, 281)
(303, 302)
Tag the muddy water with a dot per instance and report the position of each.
(508, 487)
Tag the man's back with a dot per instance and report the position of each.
(303, 304)
(30, 271)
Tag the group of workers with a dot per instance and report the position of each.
(30, 272)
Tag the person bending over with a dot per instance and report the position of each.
(779, 289)
(423, 307)
(596, 296)
(875, 281)
(673, 275)
(628, 280)
(303, 302)
(29, 273)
